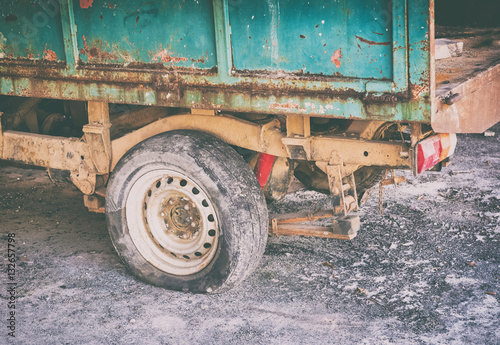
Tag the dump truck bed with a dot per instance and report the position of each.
(468, 85)
(352, 59)
(359, 60)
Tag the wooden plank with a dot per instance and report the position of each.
(345, 228)
(291, 218)
(311, 231)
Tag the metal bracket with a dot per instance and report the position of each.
(343, 228)
(97, 136)
(83, 179)
(344, 196)
(95, 203)
(265, 131)
(98, 140)
(298, 148)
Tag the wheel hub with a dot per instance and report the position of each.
(181, 217)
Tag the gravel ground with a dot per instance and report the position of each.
(427, 271)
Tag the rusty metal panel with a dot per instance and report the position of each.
(164, 33)
(45, 151)
(31, 30)
(196, 54)
(323, 38)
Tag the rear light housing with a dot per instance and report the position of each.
(433, 150)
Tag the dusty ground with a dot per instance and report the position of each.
(425, 272)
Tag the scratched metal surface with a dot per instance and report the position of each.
(147, 32)
(317, 37)
(358, 59)
(30, 31)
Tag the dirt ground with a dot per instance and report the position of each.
(427, 271)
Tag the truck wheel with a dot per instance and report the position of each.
(186, 212)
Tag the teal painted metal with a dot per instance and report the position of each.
(324, 38)
(170, 32)
(31, 30)
(358, 59)
(69, 34)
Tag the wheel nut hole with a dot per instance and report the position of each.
(170, 180)
(204, 203)
(186, 257)
(158, 184)
(183, 183)
(366, 153)
(197, 254)
(211, 218)
(145, 206)
(195, 191)
(207, 245)
(149, 192)
(211, 233)
(173, 254)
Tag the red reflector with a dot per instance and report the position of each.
(264, 167)
(433, 150)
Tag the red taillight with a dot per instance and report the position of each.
(433, 150)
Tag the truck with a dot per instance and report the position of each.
(179, 119)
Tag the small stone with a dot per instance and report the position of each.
(361, 291)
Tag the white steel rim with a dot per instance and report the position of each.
(172, 222)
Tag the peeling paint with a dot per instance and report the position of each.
(336, 58)
(49, 55)
(86, 3)
(167, 57)
(95, 52)
(3, 40)
(285, 106)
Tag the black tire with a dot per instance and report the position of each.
(212, 171)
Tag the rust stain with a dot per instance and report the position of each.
(336, 58)
(167, 57)
(49, 55)
(96, 52)
(86, 3)
(30, 55)
(372, 43)
(417, 90)
(285, 106)
(200, 60)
